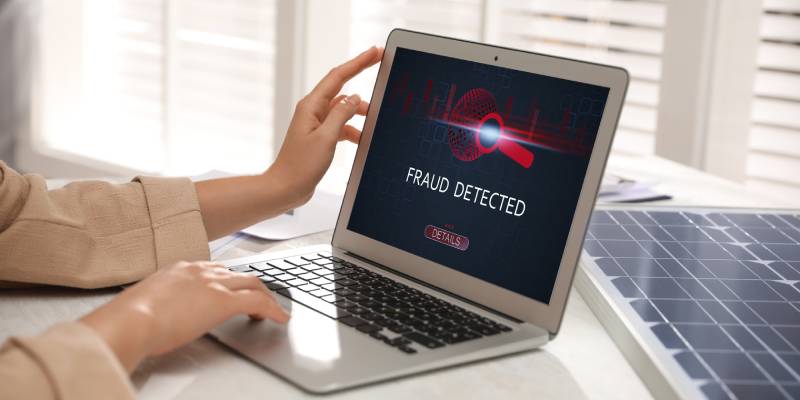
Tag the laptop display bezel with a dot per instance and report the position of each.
(547, 316)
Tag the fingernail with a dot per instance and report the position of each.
(353, 99)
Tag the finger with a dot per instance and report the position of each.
(350, 133)
(209, 264)
(335, 100)
(339, 115)
(237, 281)
(363, 108)
(260, 305)
(332, 83)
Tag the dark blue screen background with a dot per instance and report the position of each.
(521, 254)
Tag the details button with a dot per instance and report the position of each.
(446, 237)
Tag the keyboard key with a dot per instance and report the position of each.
(457, 336)
(321, 293)
(296, 282)
(324, 254)
(352, 321)
(370, 316)
(501, 327)
(281, 265)
(275, 285)
(241, 268)
(379, 336)
(328, 286)
(322, 261)
(285, 277)
(313, 267)
(398, 341)
(260, 266)
(423, 340)
(319, 281)
(331, 298)
(433, 329)
(368, 328)
(371, 303)
(308, 276)
(273, 272)
(343, 303)
(311, 257)
(356, 309)
(398, 328)
(484, 329)
(308, 287)
(383, 298)
(343, 292)
(266, 278)
(357, 297)
(407, 350)
(323, 272)
(252, 273)
(345, 282)
(359, 287)
(296, 261)
(297, 271)
(314, 303)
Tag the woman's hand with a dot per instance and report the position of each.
(177, 305)
(319, 122)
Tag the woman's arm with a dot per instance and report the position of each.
(319, 122)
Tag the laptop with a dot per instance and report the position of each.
(462, 222)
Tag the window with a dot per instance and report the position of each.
(167, 86)
(774, 152)
(371, 22)
(184, 86)
(624, 33)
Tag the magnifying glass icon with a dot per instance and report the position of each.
(491, 137)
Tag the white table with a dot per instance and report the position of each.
(582, 362)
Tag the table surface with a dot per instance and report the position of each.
(582, 362)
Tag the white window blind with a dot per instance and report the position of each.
(774, 154)
(624, 33)
(174, 86)
(372, 21)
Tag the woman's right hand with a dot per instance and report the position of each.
(177, 305)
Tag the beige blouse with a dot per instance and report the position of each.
(86, 235)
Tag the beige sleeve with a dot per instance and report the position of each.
(69, 361)
(93, 234)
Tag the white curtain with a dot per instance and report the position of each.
(17, 33)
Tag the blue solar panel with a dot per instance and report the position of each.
(713, 295)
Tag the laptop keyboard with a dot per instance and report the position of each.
(373, 304)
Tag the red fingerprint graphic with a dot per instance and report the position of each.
(461, 134)
(473, 120)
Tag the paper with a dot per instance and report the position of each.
(615, 189)
(318, 215)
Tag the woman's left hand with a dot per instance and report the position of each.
(319, 122)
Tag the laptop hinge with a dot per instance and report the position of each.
(433, 287)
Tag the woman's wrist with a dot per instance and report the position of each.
(126, 330)
(286, 185)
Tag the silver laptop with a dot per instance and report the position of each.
(462, 223)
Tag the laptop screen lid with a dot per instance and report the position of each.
(478, 168)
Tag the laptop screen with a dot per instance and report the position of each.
(478, 168)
